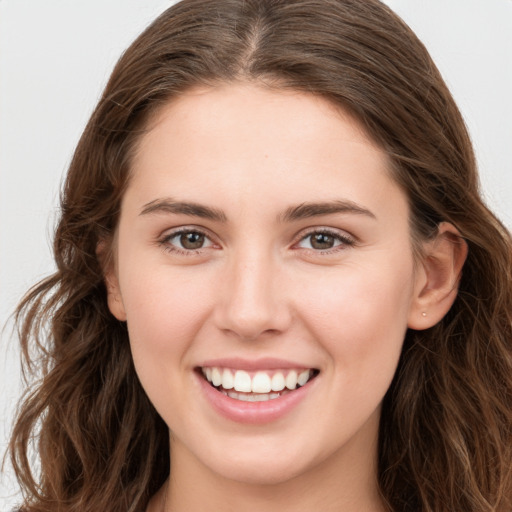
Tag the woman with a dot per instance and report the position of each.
(277, 286)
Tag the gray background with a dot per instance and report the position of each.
(55, 58)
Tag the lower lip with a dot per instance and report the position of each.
(253, 412)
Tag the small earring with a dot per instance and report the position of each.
(423, 313)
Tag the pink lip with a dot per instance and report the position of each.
(266, 363)
(252, 412)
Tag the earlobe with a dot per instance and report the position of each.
(114, 298)
(438, 277)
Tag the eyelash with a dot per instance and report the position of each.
(168, 247)
(344, 240)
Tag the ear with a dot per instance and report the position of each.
(104, 252)
(437, 277)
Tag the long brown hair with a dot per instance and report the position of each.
(446, 428)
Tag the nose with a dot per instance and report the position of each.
(252, 300)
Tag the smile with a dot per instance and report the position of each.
(258, 386)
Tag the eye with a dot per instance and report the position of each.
(325, 240)
(186, 241)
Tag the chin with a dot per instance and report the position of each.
(260, 473)
(261, 464)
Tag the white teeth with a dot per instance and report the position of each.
(253, 397)
(303, 377)
(216, 377)
(242, 381)
(261, 397)
(278, 382)
(261, 383)
(228, 381)
(291, 380)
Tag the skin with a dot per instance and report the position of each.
(259, 288)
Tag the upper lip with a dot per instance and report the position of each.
(265, 363)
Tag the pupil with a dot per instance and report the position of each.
(192, 240)
(322, 241)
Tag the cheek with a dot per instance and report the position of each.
(165, 309)
(360, 314)
(360, 322)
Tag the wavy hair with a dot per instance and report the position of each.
(445, 439)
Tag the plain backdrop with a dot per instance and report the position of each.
(55, 58)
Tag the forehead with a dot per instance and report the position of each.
(239, 138)
(246, 105)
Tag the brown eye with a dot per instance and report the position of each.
(322, 241)
(186, 242)
(192, 240)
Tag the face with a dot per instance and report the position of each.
(265, 270)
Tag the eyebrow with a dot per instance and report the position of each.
(293, 213)
(307, 210)
(167, 205)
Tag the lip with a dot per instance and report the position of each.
(267, 363)
(253, 412)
